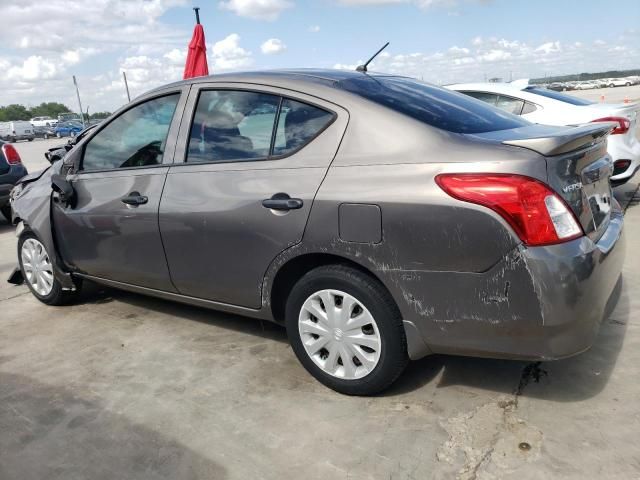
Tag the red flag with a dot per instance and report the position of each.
(196, 65)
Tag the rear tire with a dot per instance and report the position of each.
(372, 321)
(6, 212)
(38, 274)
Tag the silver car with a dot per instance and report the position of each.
(380, 219)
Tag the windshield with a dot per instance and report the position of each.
(562, 97)
(435, 106)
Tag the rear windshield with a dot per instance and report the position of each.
(543, 92)
(433, 105)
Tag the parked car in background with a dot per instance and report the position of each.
(588, 85)
(540, 105)
(557, 86)
(434, 223)
(56, 153)
(619, 82)
(69, 117)
(43, 122)
(44, 132)
(14, 131)
(11, 171)
(68, 129)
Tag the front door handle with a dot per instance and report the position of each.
(282, 201)
(135, 199)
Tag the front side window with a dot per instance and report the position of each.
(232, 125)
(136, 138)
(486, 97)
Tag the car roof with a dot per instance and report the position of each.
(283, 78)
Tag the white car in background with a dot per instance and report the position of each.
(588, 85)
(540, 105)
(619, 82)
(44, 122)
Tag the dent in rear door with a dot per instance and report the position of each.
(219, 239)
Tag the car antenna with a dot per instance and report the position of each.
(363, 68)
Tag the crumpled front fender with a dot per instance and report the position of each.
(32, 207)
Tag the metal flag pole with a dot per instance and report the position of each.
(126, 85)
(197, 10)
(79, 102)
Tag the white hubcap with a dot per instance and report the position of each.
(339, 334)
(37, 266)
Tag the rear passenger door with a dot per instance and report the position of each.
(241, 189)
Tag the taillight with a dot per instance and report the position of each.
(620, 166)
(11, 154)
(536, 213)
(623, 124)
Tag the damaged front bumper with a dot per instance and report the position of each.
(538, 303)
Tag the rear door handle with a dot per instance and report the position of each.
(134, 198)
(282, 201)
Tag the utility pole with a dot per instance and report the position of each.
(126, 85)
(79, 102)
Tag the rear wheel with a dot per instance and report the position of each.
(346, 330)
(46, 136)
(37, 271)
(6, 212)
(58, 134)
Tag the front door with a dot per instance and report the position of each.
(253, 162)
(111, 230)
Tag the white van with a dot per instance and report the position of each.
(14, 131)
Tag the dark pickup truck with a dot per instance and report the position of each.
(11, 170)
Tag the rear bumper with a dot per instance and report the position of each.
(538, 303)
(8, 180)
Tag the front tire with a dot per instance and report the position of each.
(346, 330)
(38, 274)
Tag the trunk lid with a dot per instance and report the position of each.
(578, 167)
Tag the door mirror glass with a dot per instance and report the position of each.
(136, 138)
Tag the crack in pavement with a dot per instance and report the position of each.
(487, 439)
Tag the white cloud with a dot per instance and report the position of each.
(268, 10)
(227, 54)
(499, 57)
(33, 68)
(423, 4)
(177, 56)
(273, 46)
(314, 28)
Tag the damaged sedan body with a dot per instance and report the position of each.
(380, 219)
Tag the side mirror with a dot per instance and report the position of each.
(63, 188)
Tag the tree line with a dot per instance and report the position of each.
(48, 109)
(587, 76)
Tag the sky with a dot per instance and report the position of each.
(46, 42)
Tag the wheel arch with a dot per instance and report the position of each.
(286, 276)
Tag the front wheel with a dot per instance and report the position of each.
(37, 271)
(58, 134)
(45, 136)
(346, 330)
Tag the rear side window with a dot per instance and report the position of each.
(298, 124)
(543, 92)
(435, 106)
(486, 97)
(233, 126)
(510, 104)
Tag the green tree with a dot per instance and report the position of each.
(99, 115)
(49, 109)
(14, 112)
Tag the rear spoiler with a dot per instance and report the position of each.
(566, 140)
